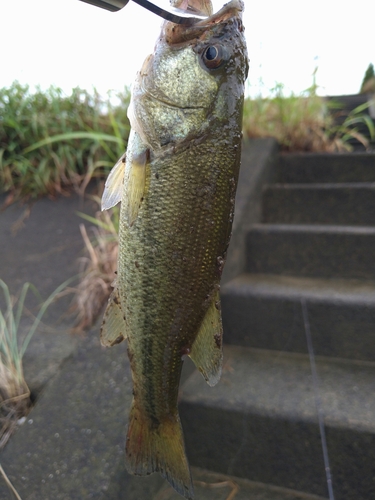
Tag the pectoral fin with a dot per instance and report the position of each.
(114, 185)
(135, 185)
(207, 348)
(113, 330)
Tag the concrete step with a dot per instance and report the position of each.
(212, 486)
(260, 422)
(326, 203)
(322, 167)
(264, 311)
(311, 250)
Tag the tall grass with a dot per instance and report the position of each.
(50, 142)
(15, 399)
(304, 122)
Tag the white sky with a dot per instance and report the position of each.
(69, 43)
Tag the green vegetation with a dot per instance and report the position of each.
(368, 83)
(304, 122)
(50, 142)
(14, 393)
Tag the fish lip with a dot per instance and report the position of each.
(232, 5)
(223, 14)
(179, 35)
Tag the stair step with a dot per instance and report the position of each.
(311, 250)
(211, 486)
(264, 311)
(322, 167)
(344, 203)
(260, 422)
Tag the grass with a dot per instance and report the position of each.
(9, 484)
(98, 267)
(50, 142)
(15, 400)
(304, 122)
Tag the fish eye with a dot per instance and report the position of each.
(213, 56)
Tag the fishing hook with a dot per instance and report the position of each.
(173, 14)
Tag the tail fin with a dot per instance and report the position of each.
(158, 448)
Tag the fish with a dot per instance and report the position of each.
(177, 183)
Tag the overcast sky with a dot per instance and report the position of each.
(69, 43)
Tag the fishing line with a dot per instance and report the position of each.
(318, 402)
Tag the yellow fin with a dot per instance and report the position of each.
(114, 185)
(135, 185)
(153, 446)
(113, 330)
(207, 352)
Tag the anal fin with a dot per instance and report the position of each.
(113, 330)
(206, 351)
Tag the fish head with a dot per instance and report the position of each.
(195, 75)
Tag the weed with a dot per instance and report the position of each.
(98, 267)
(368, 82)
(305, 122)
(342, 133)
(14, 393)
(50, 142)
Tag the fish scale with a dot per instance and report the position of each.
(174, 282)
(177, 185)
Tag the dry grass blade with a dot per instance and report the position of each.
(169, 492)
(221, 484)
(9, 484)
(297, 122)
(98, 270)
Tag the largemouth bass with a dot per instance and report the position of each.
(177, 184)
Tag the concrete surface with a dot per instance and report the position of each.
(41, 244)
(329, 203)
(325, 167)
(264, 311)
(260, 422)
(312, 250)
(211, 486)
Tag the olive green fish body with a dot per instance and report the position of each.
(171, 261)
(180, 175)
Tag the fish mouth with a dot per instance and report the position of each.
(203, 7)
(186, 34)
